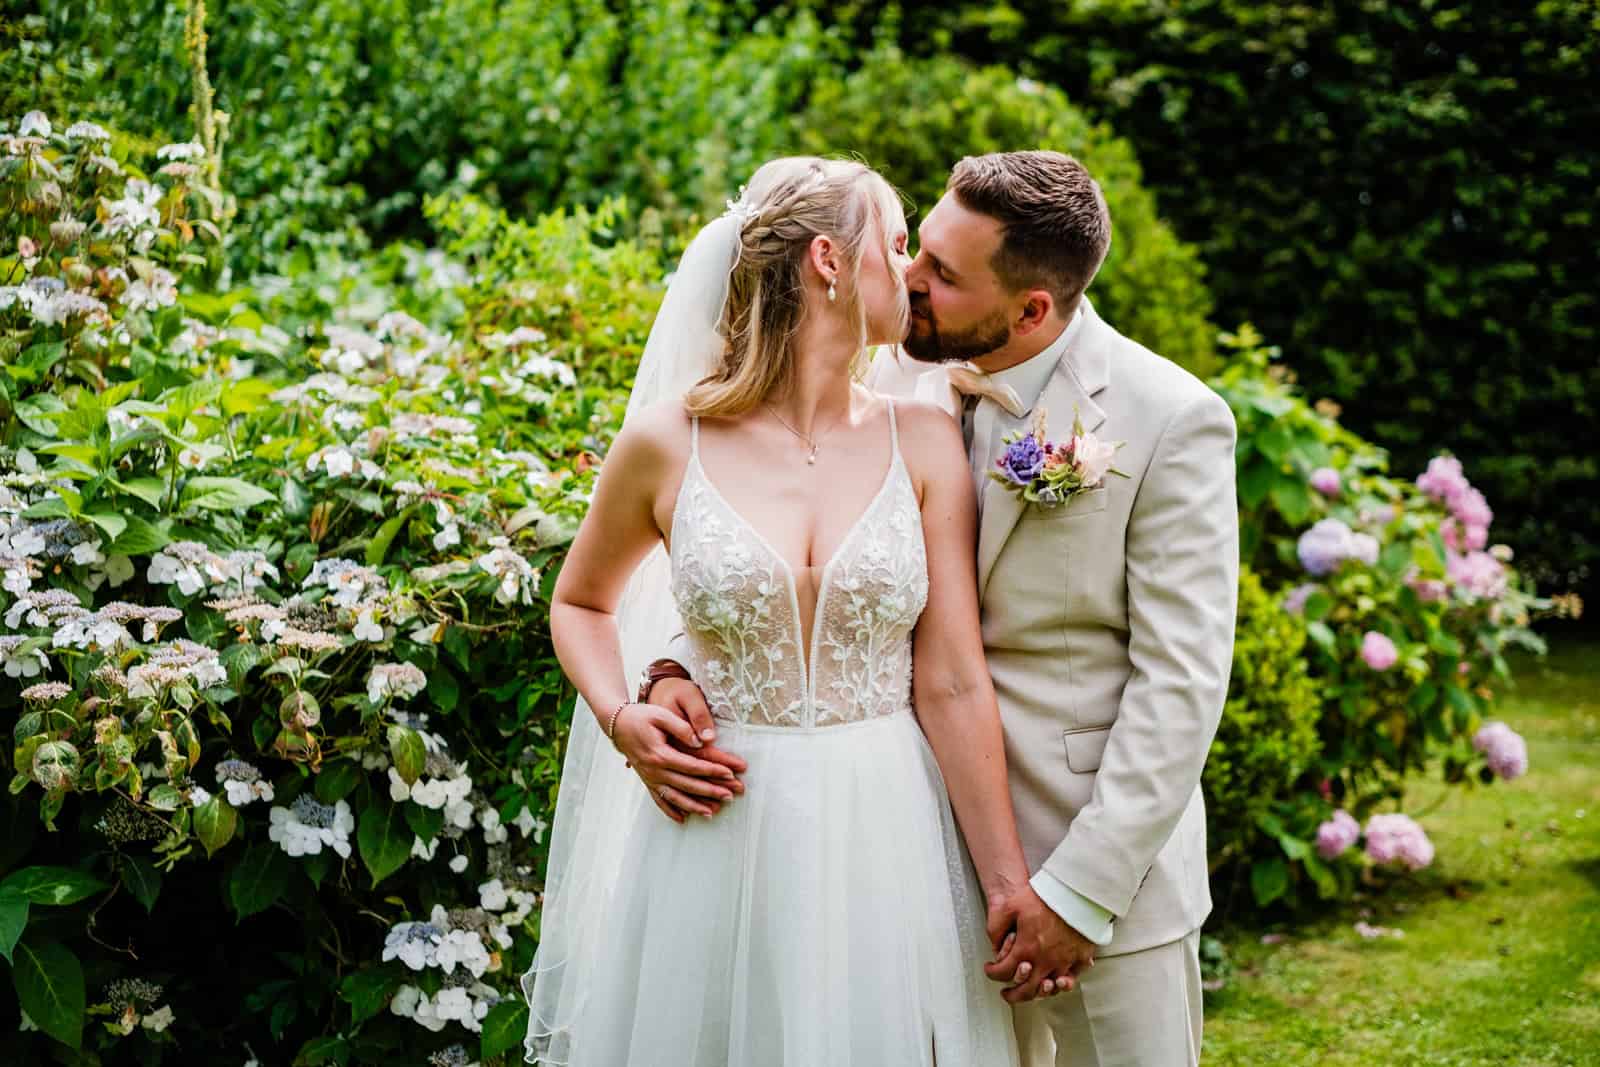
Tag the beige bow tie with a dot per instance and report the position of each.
(969, 381)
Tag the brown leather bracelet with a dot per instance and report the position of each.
(661, 668)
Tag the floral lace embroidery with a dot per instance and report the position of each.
(736, 597)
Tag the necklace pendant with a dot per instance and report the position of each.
(811, 458)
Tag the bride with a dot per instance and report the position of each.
(814, 541)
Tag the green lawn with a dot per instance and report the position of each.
(1500, 962)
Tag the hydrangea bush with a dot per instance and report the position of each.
(274, 571)
(1409, 611)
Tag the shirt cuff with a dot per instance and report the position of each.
(1075, 909)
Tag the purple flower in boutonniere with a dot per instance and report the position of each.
(1049, 474)
(1023, 460)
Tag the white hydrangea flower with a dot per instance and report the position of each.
(303, 828)
(159, 1019)
(402, 681)
(458, 863)
(517, 578)
(34, 124)
(493, 832)
(424, 850)
(242, 782)
(186, 150)
(367, 627)
(87, 131)
(18, 663)
(492, 896)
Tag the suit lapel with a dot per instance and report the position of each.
(1081, 373)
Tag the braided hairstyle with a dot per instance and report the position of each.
(789, 202)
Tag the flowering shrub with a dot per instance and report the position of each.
(1408, 612)
(274, 646)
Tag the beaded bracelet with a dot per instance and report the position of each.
(611, 727)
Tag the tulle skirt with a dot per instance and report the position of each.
(829, 917)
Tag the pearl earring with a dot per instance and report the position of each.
(833, 294)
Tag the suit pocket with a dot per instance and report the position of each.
(1085, 747)
(1078, 506)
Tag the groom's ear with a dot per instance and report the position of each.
(1037, 308)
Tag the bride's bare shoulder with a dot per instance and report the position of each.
(930, 439)
(656, 437)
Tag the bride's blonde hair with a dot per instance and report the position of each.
(789, 202)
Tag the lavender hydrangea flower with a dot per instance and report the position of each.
(1295, 602)
(1323, 547)
(1398, 839)
(1023, 460)
(1325, 480)
(1378, 652)
(1337, 834)
(1443, 480)
(1504, 749)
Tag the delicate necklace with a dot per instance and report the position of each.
(813, 443)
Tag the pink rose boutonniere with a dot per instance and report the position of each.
(1050, 473)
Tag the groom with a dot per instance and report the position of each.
(1107, 621)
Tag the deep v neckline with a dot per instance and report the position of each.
(807, 647)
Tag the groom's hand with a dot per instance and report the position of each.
(1041, 955)
(684, 698)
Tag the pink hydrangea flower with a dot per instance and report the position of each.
(1443, 480)
(1337, 834)
(1478, 574)
(1398, 839)
(1504, 749)
(1378, 652)
(1325, 480)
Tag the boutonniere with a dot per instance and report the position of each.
(1050, 473)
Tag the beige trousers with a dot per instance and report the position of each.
(1138, 1010)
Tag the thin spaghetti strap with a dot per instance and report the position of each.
(694, 436)
(894, 431)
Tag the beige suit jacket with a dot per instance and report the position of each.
(1108, 626)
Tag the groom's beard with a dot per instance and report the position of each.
(929, 344)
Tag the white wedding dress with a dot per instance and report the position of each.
(828, 917)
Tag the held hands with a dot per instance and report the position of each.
(685, 775)
(1037, 954)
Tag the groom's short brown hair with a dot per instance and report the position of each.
(1056, 226)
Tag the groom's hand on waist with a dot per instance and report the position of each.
(684, 698)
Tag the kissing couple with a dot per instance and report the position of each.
(933, 648)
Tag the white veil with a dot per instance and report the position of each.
(599, 796)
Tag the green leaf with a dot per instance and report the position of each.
(142, 880)
(336, 780)
(1292, 499)
(1269, 880)
(409, 753)
(384, 838)
(426, 823)
(215, 822)
(53, 885)
(140, 538)
(49, 983)
(13, 919)
(1255, 481)
(222, 494)
(367, 992)
(110, 521)
(504, 1027)
(378, 547)
(364, 499)
(259, 879)
(1317, 606)
(32, 362)
(39, 412)
(296, 501)
(150, 490)
(318, 1050)
(166, 797)
(55, 507)
(1323, 636)
(443, 690)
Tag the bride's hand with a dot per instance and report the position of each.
(679, 783)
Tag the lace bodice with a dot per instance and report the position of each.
(741, 611)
